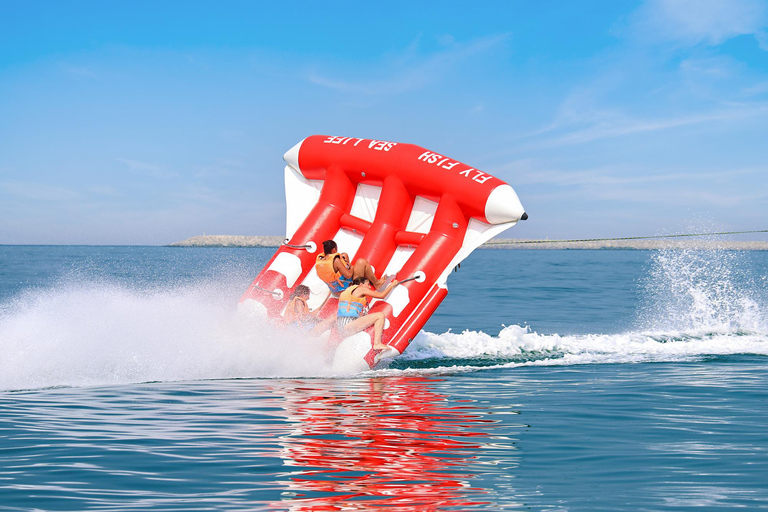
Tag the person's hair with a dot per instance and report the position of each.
(300, 291)
(329, 246)
(360, 280)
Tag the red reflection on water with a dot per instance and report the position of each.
(389, 442)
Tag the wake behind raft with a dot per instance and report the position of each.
(414, 213)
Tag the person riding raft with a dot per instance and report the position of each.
(298, 314)
(353, 303)
(297, 311)
(334, 269)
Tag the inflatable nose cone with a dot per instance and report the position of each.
(503, 205)
(291, 157)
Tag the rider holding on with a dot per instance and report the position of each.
(334, 269)
(353, 303)
(298, 314)
(297, 311)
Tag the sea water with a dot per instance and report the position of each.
(547, 380)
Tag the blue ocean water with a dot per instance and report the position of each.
(547, 380)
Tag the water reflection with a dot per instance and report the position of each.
(396, 443)
(391, 442)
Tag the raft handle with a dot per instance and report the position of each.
(278, 294)
(419, 277)
(310, 247)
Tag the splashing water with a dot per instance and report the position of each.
(700, 291)
(696, 303)
(95, 334)
(95, 331)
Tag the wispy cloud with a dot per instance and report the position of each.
(527, 173)
(408, 71)
(694, 22)
(634, 91)
(663, 191)
(39, 192)
(679, 197)
(762, 39)
(80, 71)
(614, 124)
(149, 169)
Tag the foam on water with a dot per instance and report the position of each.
(696, 303)
(85, 331)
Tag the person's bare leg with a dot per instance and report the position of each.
(364, 269)
(322, 326)
(359, 324)
(378, 327)
(377, 320)
(362, 323)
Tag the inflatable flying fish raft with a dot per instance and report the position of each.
(412, 213)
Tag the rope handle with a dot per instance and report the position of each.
(310, 247)
(419, 276)
(276, 293)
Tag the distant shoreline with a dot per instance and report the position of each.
(656, 244)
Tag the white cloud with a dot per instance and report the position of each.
(693, 22)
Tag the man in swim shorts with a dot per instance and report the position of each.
(334, 269)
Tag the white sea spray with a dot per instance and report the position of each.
(695, 303)
(98, 333)
(692, 291)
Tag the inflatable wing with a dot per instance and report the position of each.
(410, 212)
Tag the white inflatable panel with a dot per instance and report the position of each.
(289, 265)
(477, 234)
(301, 195)
(398, 298)
(398, 260)
(422, 214)
(318, 290)
(348, 242)
(349, 356)
(366, 202)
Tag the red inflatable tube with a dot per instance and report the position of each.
(409, 211)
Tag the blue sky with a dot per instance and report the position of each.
(149, 122)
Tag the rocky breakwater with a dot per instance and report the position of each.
(501, 243)
(648, 244)
(230, 241)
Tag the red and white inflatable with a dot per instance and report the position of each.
(410, 212)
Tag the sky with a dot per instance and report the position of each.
(150, 122)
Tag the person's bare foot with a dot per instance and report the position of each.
(381, 282)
